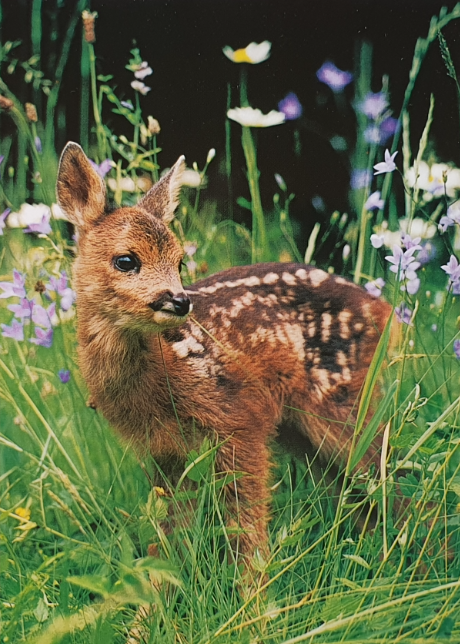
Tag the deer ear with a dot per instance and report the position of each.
(80, 190)
(163, 198)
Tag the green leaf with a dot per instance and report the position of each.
(41, 611)
(244, 203)
(94, 583)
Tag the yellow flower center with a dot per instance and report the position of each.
(24, 513)
(240, 56)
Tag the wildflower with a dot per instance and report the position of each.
(15, 289)
(333, 77)
(190, 248)
(64, 375)
(191, 178)
(377, 241)
(388, 165)
(452, 268)
(43, 337)
(375, 287)
(59, 286)
(372, 134)
(127, 184)
(3, 217)
(127, 104)
(403, 314)
(211, 155)
(346, 252)
(373, 105)
(103, 168)
(42, 228)
(403, 263)
(31, 112)
(5, 103)
(42, 316)
(408, 242)
(434, 180)
(153, 126)
(140, 87)
(38, 144)
(427, 253)
(451, 218)
(15, 331)
(89, 19)
(291, 107)
(250, 117)
(360, 178)
(374, 202)
(22, 310)
(29, 214)
(456, 348)
(388, 127)
(254, 53)
(143, 70)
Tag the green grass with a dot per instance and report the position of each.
(77, 509)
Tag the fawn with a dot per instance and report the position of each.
(232, 357)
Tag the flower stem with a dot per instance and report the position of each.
(259, 248)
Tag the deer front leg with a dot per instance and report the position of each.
(246, 495)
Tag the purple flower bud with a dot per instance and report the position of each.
(457, 348)
(64, 375)
(290, 106)
(43, 337)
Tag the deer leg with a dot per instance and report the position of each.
(246, 496)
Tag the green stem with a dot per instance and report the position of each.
(101, 140)
(85, 72)
(36, 38)
(259, 249)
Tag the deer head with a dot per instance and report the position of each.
(129, 261)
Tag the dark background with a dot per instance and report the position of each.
(182, 40)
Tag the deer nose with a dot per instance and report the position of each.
(181, 304)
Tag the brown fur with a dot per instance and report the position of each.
(265, 345)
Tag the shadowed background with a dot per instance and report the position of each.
(182, 40)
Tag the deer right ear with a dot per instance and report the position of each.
(80, 190)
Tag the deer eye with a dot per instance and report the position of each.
(127, 263)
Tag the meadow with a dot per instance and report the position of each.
(77, 508)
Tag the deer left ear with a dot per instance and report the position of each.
(163, 198)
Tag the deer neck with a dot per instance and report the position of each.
(117, 363)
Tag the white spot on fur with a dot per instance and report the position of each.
(358, 326)
(317, 277)
(326, 321)
(289, 279)
(302, 274)
(322, 378)
(211, 289)
(311, 329)
(270, 278)
(252, 280)
(344, 319)
(341, 359)
(186, 346)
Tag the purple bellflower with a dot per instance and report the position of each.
(59, 286)
(388, 165)
(3, 217)
(15, 289)
(64, 375)
(373, 105)
(42, 228)
(15, 331)
(334, 77)
(103, 168)
(291, 107)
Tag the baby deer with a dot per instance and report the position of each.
(233, 357)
